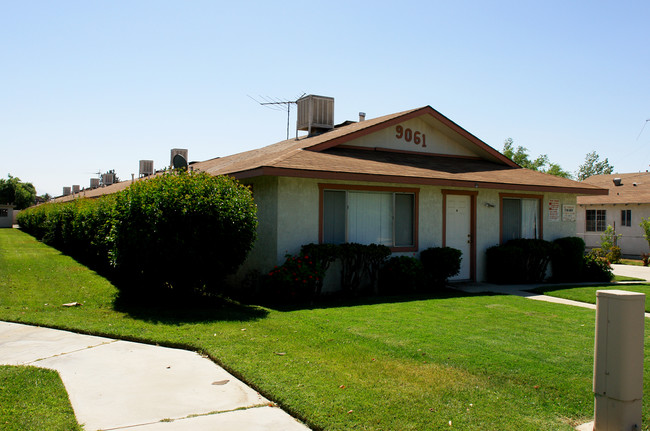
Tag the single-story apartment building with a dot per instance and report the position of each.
(409, 180)
(623, 208)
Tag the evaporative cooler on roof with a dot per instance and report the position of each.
(315, 114)
(146, 168)
(178, 158)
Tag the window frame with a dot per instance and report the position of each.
(540, 213)
(626, 218)
(595, 220)
(322, 187)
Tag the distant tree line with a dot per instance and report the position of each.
(17, 193)
(592, 165)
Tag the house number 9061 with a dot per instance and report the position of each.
(409, 135)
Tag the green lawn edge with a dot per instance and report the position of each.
(479, 361)
(34, 399)
(588, 293)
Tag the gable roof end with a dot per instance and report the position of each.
(367, 127)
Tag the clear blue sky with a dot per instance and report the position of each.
(99, 85)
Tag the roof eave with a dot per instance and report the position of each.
(349, 176)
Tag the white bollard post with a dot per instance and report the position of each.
(618, 360)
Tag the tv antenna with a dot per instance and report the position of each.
(275, 104)
(646, 122)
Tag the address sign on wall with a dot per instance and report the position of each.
(411, 136)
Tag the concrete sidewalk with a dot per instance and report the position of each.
(116, 385)
(642, 272)
(524, 289)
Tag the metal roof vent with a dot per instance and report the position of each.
(617, 182)
(315, 114)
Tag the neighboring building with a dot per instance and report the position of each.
(409, 180)
(6, 215)
(627, 203)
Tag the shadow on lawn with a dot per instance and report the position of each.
(174, 310)
(156, 305)
(341, 300)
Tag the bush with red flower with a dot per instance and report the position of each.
(299, 277)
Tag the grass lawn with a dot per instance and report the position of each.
(34, 399)
(478, 362)
(626, 278)
(635, 262)
(588, 294)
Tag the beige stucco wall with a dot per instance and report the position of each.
(8, 220)
(265, 194)
(434, 142)
(288, 218)
(297, 215)
(632, 241)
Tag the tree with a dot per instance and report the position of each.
(645, 225)
(15, 192)
(592, 166)
(541, 163)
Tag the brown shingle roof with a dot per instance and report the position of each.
(94, 193)
(324, 157)
(626, 193)
(318, 157)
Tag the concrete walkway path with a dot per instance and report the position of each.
(116, 385)
(524, 289)
(642, 272)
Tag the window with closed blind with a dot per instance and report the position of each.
(373, 216)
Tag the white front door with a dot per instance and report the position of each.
(458, 232)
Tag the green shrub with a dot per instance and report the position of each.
(80, 228)
(182, 231)
(440, 263)
(298, 278)
(609, 239)
(596, 269)
(597, 252)
(614, 254)
(518, 261)
(322, 255)
(567, 258)
(358, 261)
(376, 256)
(401, 275)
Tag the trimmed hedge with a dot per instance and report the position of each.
(401, 275)
(81, 228)
(518, 261)
(181, 231)
(567, 258)
(440, 263)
